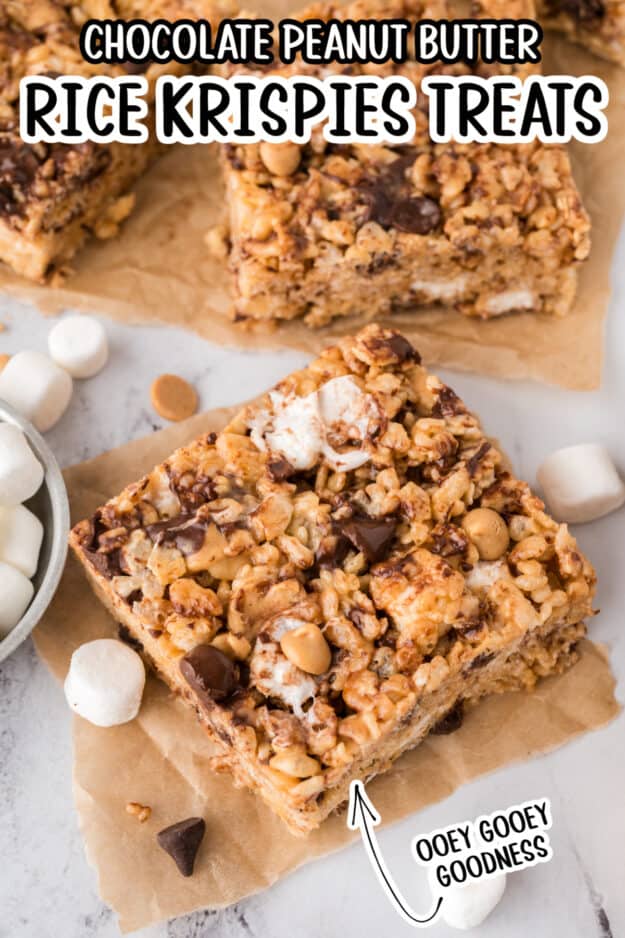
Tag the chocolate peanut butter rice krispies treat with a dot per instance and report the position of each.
(326, 230)
(599, 25)
(53, 196)
(336, 573)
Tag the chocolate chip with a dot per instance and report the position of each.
(451, 722)
(125, 635)
(279, 469)
(371, 536)
(583, 10)
(480, 661)
(135, 68)
(182, 842)
(209, 672)
(418, 215)
(448, 404)
(402, 349)
(473, 463)
(108, 565)
(188, 535)
(332, 551)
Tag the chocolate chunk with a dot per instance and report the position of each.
(135, 68)
(402, 349)
(583, 10)
(451, 722)
(279, 468)
(332, 551)
(418, 215)
(209, 672)
(371, 536)
(186, 534)
(448, 404)
(182, 842)
(125, 635)
(107, 565)
(474, 461)
(480, 661)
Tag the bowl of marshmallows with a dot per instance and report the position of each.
(34, 524)
(35, 391)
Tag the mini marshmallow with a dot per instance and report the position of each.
(79, 345)
(36, 387)
(16, 591)
(21, 534)
(467, 906)
(105, 682)
(21, 473)
(581, 483)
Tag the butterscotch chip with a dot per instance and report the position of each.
(173, 398)
(3, 359)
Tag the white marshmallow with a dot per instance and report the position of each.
(105, 682)
(298, 428)
(581, 483)
(79, 345)
(36, 387)
(487, 572)
(467, 906)
(16, 591)
(21, 534)
(21, 473)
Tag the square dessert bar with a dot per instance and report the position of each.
(53, 196)
(335, 574)
(326, 230)
(599, 25)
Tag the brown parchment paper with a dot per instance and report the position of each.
(160, 758)
(159, 269)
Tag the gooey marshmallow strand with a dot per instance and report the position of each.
(299, 427)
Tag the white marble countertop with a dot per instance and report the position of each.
(47, 888)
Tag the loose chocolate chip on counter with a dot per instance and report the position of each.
(209, 672)
(451, 722)
(182, 842)
(418, 215)
(371, 536)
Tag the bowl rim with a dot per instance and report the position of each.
(53, 480)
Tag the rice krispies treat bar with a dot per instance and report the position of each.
(599, 25)
(333, 575)
(52, 197)
(326, 230)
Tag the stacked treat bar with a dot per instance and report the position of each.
(322, 231)
(599, 25)
(335, 574)
(52, 197)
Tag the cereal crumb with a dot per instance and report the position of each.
(216, 240)
(141, 811)
(173, 398)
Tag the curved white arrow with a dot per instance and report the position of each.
(363, 816)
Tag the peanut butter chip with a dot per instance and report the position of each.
(488, 531)
(173, 398)
(3, 359)
(307, 649)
